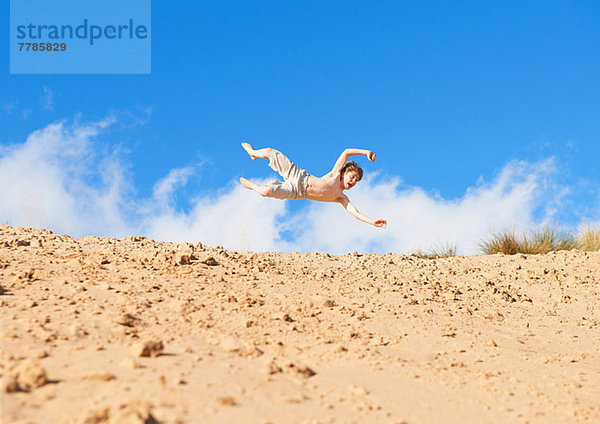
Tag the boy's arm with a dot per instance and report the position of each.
(339, 164)
(381, 223)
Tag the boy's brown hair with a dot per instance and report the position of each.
(351, 166)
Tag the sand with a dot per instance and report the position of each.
(104, 330)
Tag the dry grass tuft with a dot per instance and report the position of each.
(502, 242)
(588, 239)
(542, 240)
(441, 251)
(547, 239)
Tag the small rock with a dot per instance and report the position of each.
(130, 363)
(210, 261)
(10, 385)
(27, 275)
(36, 243)
(148, 348)
(128, 320)
(328, 303)
(135, 413)
(232, 344)
(283, 317)
(358, 390)
(298, 369)
(96, 416)
(491, 343)
(271, 368)
(322, 301)
(293, 396)
(101, 376)
(227, 401)
(30, 375)
(77, 331)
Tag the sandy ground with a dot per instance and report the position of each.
(292, 338)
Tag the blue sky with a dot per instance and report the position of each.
(448, 94)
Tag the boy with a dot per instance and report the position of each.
(298, 184)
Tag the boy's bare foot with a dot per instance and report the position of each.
(248, 148)
(262, 190)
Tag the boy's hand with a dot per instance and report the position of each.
(381, 223)
(371, 156)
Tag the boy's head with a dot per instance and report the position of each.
(350, 174)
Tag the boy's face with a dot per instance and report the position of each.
(350, 179)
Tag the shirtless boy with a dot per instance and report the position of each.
(298, 184)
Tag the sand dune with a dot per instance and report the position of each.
(104, 330)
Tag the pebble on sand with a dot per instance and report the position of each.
(135, 413)
(96, 416)
(298, 369)
(129, 363)
(128, 320)
(149, 348)
(28, 375)
(227, 401)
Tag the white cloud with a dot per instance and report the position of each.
(60, 180)
(48, 99)
(236, 218)
(48, 182)
(8, 107)
(164, 189)
(417, 219)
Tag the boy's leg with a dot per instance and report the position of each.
(279, 162)
(261, 153)
(275, 189)
(262, 190)
(293, 186)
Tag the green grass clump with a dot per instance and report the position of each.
(542, 240)
(588, 239)
(441, 251)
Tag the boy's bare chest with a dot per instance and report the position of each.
(324, 188)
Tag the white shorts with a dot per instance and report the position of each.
(295, 179)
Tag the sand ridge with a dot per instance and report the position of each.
(134, 330)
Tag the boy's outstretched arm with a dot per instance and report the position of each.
(381, 223)
(339, 164)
